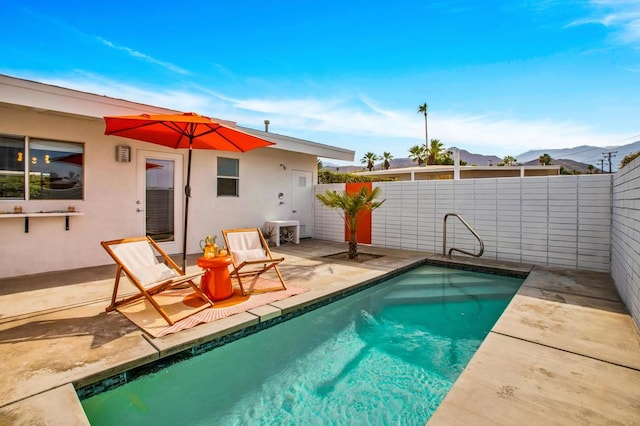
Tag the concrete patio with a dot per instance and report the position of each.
(565, 351)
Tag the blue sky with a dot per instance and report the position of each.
(500, 77)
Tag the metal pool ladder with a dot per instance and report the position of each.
(444, 237)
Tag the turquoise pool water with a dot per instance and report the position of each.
(385, 355)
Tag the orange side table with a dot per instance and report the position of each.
(216, 282)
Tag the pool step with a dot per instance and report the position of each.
(430, 293)
(454, 278)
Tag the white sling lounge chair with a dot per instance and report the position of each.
(136, 258)
(251, 258)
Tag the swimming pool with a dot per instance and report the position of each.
(387, 354)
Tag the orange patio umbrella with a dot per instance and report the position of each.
(189, 131)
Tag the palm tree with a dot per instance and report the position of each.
(386, 157)
(369, 158)
(591, 168)
(544, 159)
(435, 150)
(350, 205)
(422, 109)
(629, 158)
(444, 158)
(417, 153)
(509, 160)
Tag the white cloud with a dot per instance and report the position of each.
(147, 58)
(365, 127)
(620, 16)
(494, 134)
(332, 115)
(75, 32)
(358, 123)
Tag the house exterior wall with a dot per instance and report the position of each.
(542, 172)
(625, 244)
(556, 221)
(109, 204)
(498, 172)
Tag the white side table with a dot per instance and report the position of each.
(277, 225)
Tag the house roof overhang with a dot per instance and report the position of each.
(46, 97)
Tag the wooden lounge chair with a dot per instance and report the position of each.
(251, 258)
(136, 258)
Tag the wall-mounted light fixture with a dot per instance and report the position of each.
(123, 154)
(280, 197)
(283, 166)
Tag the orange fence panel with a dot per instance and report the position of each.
(363, 234)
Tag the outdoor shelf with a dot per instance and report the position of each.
(53, 213)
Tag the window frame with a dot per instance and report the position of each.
(220, 177)
(22, 156)
(28, 173)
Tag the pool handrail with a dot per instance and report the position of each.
(452, 249)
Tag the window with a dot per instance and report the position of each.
(55, 169)
(12, 164)
(228, 177)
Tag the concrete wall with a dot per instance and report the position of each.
(556, 221)
(625, 242)
(109, 204)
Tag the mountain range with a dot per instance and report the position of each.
(577, 158)
(586, 154)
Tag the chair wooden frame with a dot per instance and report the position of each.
(149, 290)
(254, 267)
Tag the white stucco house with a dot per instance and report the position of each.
(54, 157)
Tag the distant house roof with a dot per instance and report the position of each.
(46, 97)
(466, 172)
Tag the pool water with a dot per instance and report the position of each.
(385, 355)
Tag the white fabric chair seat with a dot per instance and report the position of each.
(251, 254)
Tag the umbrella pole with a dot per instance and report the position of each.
(187, 194)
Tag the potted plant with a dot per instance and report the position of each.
(267, 233)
